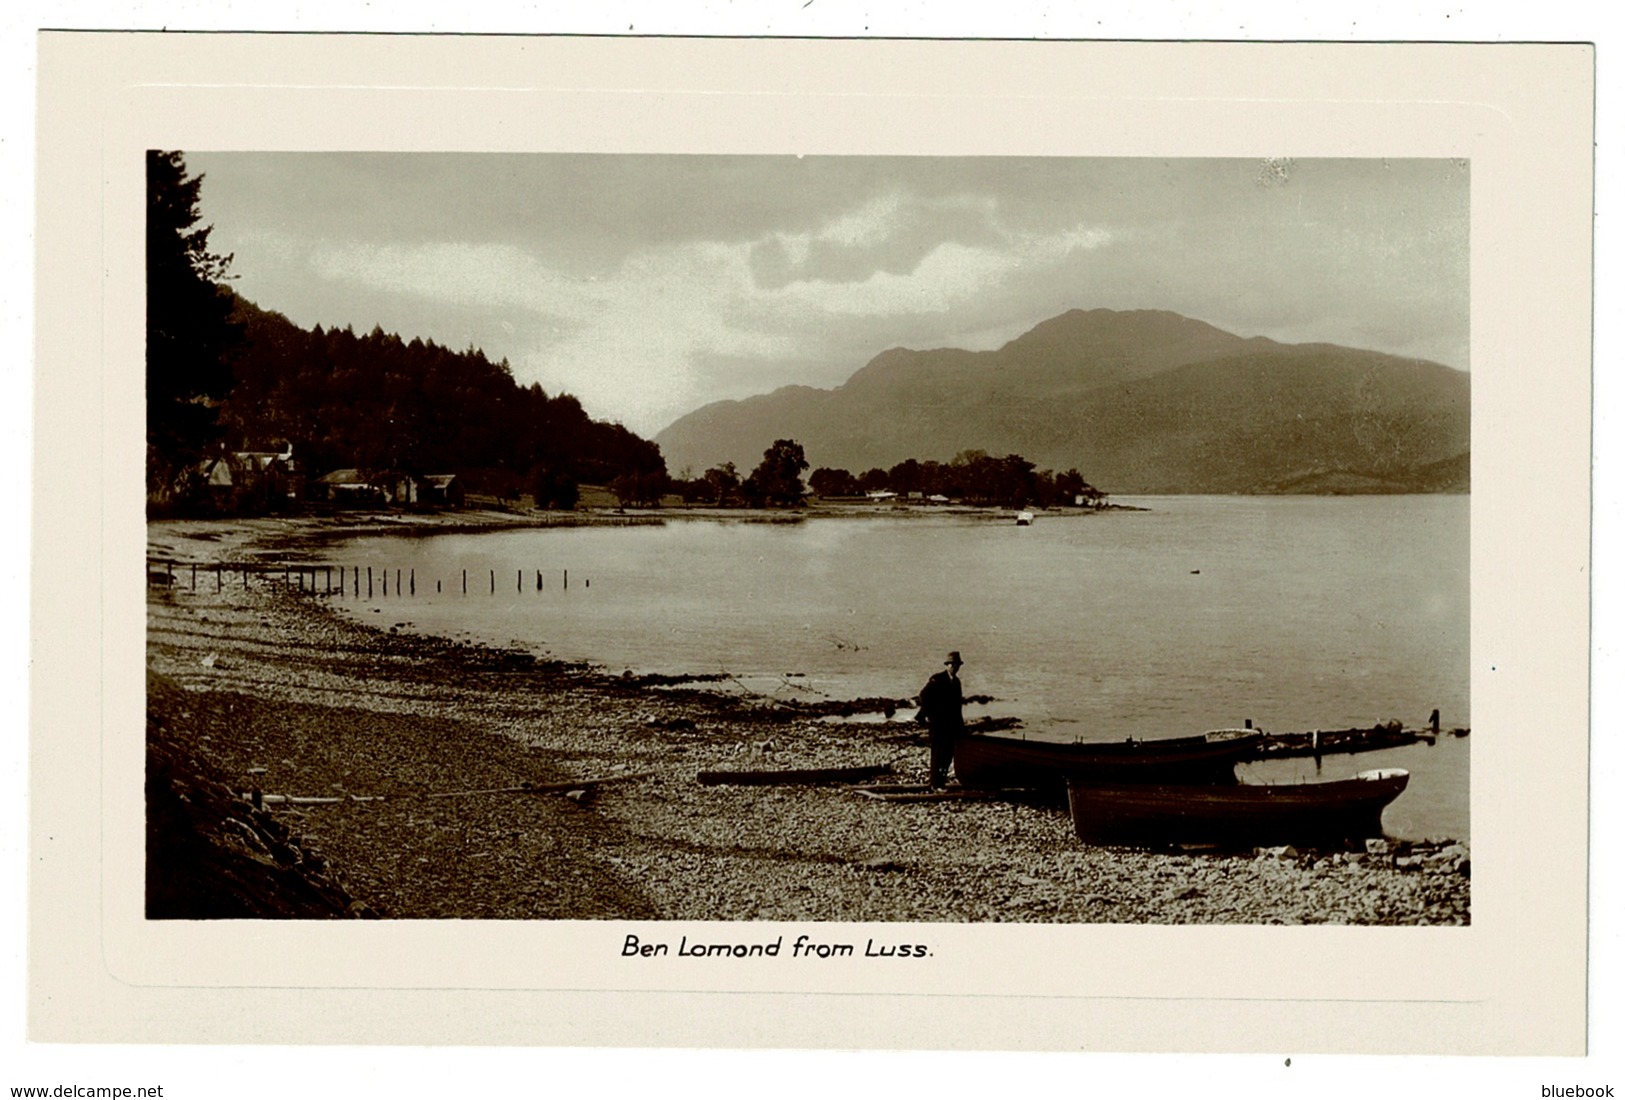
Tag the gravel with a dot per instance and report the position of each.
(285, 696)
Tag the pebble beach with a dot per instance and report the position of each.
(436, 779)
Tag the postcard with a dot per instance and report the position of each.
(885, 544)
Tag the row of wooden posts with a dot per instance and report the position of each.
(320, 578)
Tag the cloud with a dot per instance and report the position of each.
(633, 282)
(892, 233)
(950, 274)
(634, 343)
(486, 275)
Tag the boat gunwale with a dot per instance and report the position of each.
(1171, 750)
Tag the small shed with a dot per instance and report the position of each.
(442, 489)
(351, 487)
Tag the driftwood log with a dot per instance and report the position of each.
(314, 800)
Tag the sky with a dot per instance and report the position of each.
(406, 1069)
(651, 285)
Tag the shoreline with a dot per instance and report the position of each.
(285, 696)
(215, 539)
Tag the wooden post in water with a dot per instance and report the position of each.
(1433, 720)
(538, 580)
(519, 580)
(369, 582)
(493, 582)
(465, 582)
(397, 582)
(194, 576)
(437, 584)
(566, 578)
(412, 578)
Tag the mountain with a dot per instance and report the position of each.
(1143, 401)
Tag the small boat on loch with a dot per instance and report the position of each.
(1024, 519)
(1011, 762)
(1243, 814)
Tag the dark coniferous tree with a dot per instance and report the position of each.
(190, 333)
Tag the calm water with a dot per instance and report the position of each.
(1296, 612)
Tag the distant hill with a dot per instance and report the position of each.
(1144, 401)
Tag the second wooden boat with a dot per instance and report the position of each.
(1243, 814)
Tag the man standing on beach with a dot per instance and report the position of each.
(942, 704)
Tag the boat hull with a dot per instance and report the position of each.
(1007, 762)
(1244, 814)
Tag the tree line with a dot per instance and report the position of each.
(774, 483)
(377, 402)
(224, 376)
(972, 477)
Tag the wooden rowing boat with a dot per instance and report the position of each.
(982, 761)
(1243, 814)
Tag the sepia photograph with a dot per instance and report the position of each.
(816, 538)
(825, 545)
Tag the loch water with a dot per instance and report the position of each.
(1195, 613)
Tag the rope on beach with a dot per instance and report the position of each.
(521, 788)
(545, 788)
(775, 699)
(792, 776)
(749, 691)
(955, 795)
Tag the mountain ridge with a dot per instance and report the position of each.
(1138, 401)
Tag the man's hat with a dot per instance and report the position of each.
(953, 659)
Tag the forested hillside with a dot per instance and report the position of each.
(378, 402)
(225, 376)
